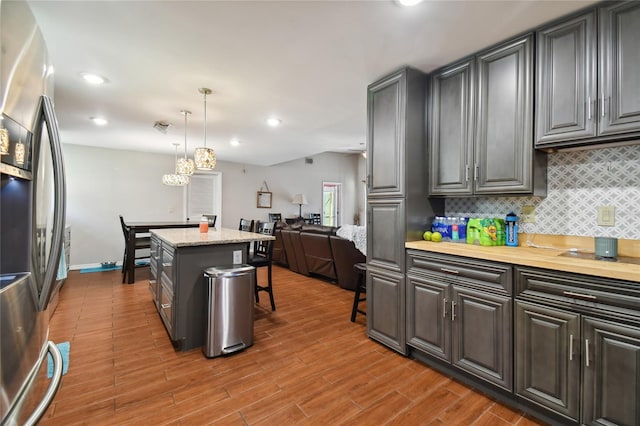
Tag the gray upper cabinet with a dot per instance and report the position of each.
(504, 128)
(588, 89)
(619, 77)
(386, 110)
(566, 80)
(481, 130)
(451, 137)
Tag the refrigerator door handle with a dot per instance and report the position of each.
(46, 114)
(53, 386)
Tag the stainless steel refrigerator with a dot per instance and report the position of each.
(32, 216)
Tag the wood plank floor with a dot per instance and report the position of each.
(309, 365)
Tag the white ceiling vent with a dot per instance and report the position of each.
(162, 126)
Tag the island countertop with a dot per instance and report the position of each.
(189, 237)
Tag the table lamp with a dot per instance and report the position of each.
(299, 199)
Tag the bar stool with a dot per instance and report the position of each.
(361, 287)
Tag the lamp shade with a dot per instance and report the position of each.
(299, 199)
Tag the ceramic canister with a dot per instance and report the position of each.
(606, 247)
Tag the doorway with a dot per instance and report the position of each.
(331, 203)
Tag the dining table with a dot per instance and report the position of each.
(144, 227)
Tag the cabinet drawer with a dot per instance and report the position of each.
(167, 263)
(476, 273)
(166, 308)
(578, 291)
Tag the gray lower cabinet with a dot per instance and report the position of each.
(547, 357)
(460, 311)
(154, 259)
(577, 346)
(386, 308)
(179, 288)
(587, 85)
(481, 125)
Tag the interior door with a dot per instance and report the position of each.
(331, 203)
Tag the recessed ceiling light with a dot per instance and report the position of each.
(234, 142)
(93, 78)
(99, 121)
(273, 121)
(408, 2)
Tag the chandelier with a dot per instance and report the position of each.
(185, 166)
(175, 179)
(205, 157)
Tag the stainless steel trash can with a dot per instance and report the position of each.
(229, 309)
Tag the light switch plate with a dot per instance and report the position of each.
(606, 215)
(237, 257)
(528, 214)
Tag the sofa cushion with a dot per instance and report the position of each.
(345, 255)
(318, 255)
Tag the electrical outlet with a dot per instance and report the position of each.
(237, 257)
(528, 214)
(606, 215)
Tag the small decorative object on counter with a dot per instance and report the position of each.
(204, 224)
(512, 229)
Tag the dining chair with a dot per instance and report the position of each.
(211, 219)
(262, 257)
(275, 217)
(246, 225)
(140, 243)
(316, 218)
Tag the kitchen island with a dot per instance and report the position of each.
(178, 259)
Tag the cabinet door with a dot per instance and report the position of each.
(428, 320)
(386, 109)
(547, 357)
(504, 134)
(386, 308)
(611, 375)
(566, 77)
(481, 335)
(451, 137)
(386, 234)
(619, 82)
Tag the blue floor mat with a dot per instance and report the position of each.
(64, 348)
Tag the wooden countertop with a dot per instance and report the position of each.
(536, 257)
(189, 237)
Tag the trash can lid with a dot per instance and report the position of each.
(228, 270)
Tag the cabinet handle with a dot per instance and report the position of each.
(571, 347)
(586, 350)
(579, 295)
(165, 305)
(449, 271)
(152, 281)
(466, 173)
(166, 264)
(475, 172)
(589, 108)
(453, 310)
(602, 102)
(444, 308)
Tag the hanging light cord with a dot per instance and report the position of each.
(185, 133)
(205, 119)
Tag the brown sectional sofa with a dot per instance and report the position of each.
(315, 250)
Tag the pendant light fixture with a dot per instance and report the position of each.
(175, 179)
(205, 157)
(185, 166)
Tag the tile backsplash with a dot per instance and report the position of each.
(578, 182)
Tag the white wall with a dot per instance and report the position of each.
(103, 183)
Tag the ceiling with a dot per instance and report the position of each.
(307, 62)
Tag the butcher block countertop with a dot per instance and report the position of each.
(189, 237)
(548, 252)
